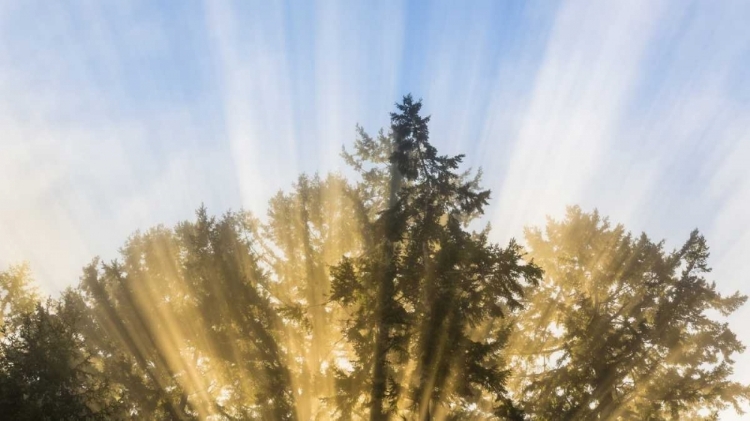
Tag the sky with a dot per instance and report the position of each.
(118, 116)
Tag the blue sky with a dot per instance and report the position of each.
(117, 116)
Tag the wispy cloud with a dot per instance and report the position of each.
(582, 88)
(285, 113)
(120, 117)
(81, 167)
(639, 109)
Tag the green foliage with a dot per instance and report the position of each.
(48, 371)
(425, 295)
(17, 295)
(207, 272)
(308, 230)
(372, 299)
(622, 329)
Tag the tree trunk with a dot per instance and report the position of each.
(385, 289)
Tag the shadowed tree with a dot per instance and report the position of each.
(260, 334)
(48, 371)
(374, 300)
(621, 329)
(188, 312)
(308, 230)
(425, 294)
(116, 329)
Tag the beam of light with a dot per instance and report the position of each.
(579, 95)
(109, 125)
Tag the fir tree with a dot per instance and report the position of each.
(18, 296)
(622, 329)
(373, 300)
(227, 360)
(425, 294)
(48, 371)
(308, 230)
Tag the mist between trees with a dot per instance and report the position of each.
(370, 298)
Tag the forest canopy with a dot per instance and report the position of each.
(371, 298)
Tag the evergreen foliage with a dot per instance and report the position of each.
(622, 329)
(47, 370)
(371, 298)
(426, 295)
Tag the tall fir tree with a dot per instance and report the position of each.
(425, 294)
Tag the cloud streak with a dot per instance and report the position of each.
(117, 118)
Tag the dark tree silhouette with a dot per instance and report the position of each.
(48, 371)
(426, 294)
(372, 299)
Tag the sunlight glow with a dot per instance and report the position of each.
(121, 117)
